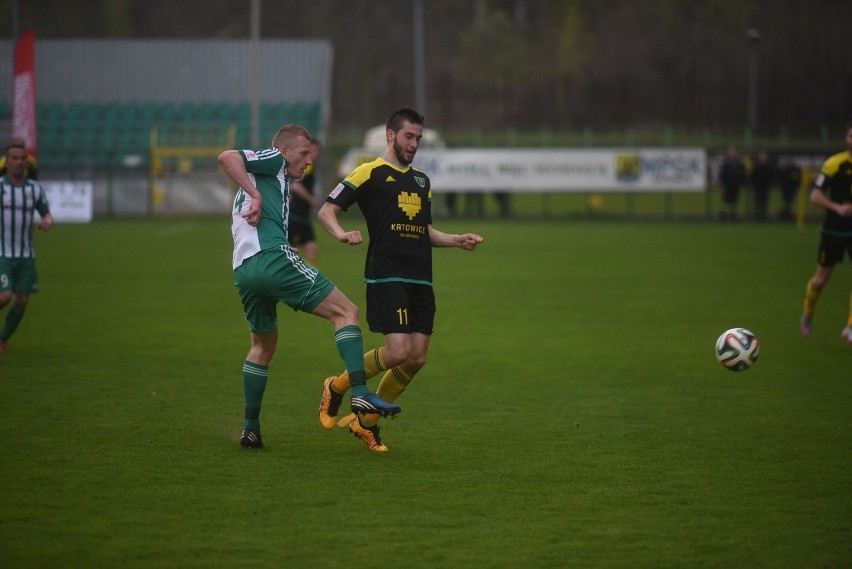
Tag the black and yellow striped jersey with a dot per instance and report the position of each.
(835, 180)
(397, 206)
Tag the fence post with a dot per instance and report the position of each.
(109, 183)
(511, 137)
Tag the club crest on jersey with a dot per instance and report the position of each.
(409, 203)
(420, 181)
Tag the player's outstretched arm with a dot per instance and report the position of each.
(327, 216)
(819, 198)
(467, 241)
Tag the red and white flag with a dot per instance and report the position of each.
(24, 97)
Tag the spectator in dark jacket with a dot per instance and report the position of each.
(762, 178)
(790, 179)
(732, 176)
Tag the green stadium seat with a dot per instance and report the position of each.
(80, 134)
(204, 110)
(166, 110)
(111, 111)
(224, 112)
(186, 112)
(73, 111)
(90, 112)
(127, 116)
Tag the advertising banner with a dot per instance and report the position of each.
(70, 202)
(556, 169)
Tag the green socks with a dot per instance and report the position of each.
(254, 384)
(13, 318)
(350, 346)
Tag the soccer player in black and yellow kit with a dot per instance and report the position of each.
(396, 201)
(833, 191)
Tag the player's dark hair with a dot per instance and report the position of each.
(404, 114)
(848, 126)
(15, 144)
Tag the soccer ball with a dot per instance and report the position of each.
(737, 349)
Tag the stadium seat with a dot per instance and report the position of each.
(83, 134)
(224, 112)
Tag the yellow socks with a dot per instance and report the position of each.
(373, 364)
(393, 383)
(849, 322)
(811, 298)
(391, 386)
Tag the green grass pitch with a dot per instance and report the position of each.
(572, 413)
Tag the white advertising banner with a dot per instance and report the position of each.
(70, 202)
(556, 170)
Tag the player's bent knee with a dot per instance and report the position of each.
(393, 358)
(416, 361)
(342, 307)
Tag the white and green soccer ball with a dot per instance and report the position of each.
(737, 349)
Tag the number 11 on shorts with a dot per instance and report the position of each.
(403, 316)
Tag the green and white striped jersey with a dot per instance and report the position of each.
(18, 205)
(268, 171)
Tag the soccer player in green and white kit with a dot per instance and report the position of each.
(396, 201)
(20, 198)
(267, 271)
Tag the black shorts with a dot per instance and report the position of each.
(397, 307)
(831, 249)
(299, 233)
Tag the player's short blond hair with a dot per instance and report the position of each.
(288, 134)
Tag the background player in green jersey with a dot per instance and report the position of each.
(20, 198)
(395, 199)
(267, 271)
(833, 191)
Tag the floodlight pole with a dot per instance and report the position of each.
(255, 74)
(753, 36)
(15, 32)
(419, 59)
(15, 24)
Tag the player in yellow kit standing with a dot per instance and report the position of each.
(395, 199)
(833, 191)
